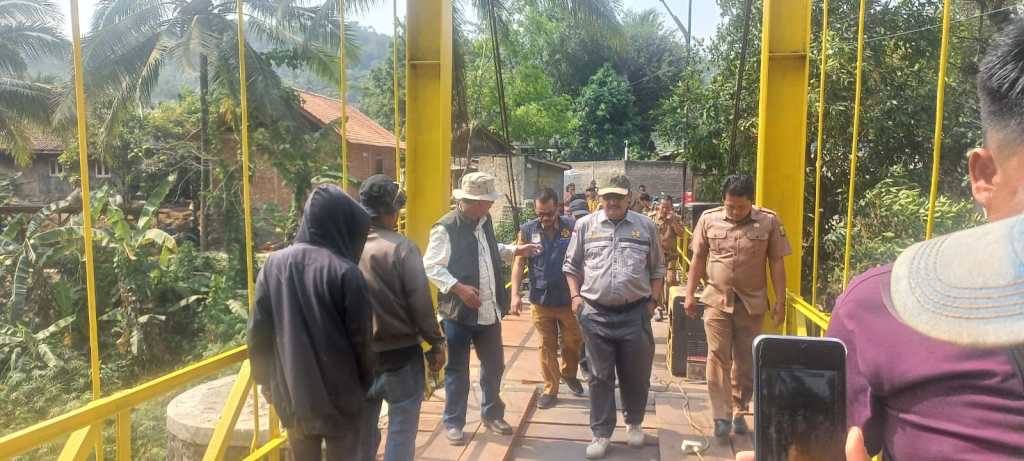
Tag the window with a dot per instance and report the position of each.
(379, 165)
(56, 169)
(101, 170)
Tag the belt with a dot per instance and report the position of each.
(622, 307)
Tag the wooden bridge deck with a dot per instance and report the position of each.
(677, 410)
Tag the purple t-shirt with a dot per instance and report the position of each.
(919, 398)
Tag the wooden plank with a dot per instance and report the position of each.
(682, 419)
(554, 450)
(578, 432)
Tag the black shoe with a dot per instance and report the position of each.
(575, 386)
(498, 426)
(546, 401)
(722, 428)
(739, 425)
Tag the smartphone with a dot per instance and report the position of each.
(800, 398)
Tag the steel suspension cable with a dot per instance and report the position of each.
(819, 161)
(82, 115)
(341, 95)
(250, 287)
(399, 176)
(853, 148)
(940, 96)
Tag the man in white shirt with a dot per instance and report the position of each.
(464, 261)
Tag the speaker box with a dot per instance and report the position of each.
(687, 342)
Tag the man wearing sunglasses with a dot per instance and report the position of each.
(549, 296)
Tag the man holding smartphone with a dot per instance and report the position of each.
(731, 246)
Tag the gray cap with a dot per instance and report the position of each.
(578, 208)
(616, 185)
(966, 287)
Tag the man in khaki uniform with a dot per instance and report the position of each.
(670, 228)
(731, 245)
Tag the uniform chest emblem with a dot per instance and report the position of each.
(565, 233)
(636, 234)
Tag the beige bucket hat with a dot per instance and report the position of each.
(477, 186)
(966, 287)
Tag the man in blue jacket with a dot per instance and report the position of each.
(549, 296)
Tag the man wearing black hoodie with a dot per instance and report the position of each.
(309, 334)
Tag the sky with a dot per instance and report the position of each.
(705, 14)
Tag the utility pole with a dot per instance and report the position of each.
(679, 24)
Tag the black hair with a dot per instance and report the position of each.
(570, 186)
(546, 195)
(1001, 83)
(645, 197)
(738, 185)
(666, 198)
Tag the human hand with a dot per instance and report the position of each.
(468, 295)
(779, 313)
(529, 250)
(436, 357)
(651, 306)
(855, 449)
(577, 304)
(690, 306)
(517, 304)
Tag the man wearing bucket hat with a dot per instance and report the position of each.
(934, 366)
(403, 317)
(464, 261)
(616, 269)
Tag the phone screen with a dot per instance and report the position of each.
(801, 412)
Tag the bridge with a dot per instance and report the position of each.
(678, 408)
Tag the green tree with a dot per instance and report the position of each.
(378, 98)
(606, 119)
(28, 31)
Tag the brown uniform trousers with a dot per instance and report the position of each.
(730, 361)
(550, 321)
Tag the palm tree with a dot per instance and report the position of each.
(133, 41)
(29, 29)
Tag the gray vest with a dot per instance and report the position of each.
(464, 265)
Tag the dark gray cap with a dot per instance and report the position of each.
(578, 208)
(381, 195)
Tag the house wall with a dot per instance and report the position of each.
(531, 176)
(35, 186)
(658, 176)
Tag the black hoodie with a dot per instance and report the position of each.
(309, 333)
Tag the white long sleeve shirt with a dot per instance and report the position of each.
(435, 261)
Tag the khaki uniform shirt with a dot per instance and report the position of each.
(616, 261)
(669, 229)
(738, 253)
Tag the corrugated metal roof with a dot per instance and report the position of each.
(359, 128)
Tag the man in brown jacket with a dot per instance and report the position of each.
(403, 317)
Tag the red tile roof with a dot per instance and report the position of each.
(359, 128)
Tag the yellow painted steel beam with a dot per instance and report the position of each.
(79, 445)
(250, 284)
(819, 161)
(782, 121)
(232, 408)
(275, 432)
(851, 192)
(82, 117)
(124, 435)
(269, 449)
(106, 407)
(940, 101)
(428, 114)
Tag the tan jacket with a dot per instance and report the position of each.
(738, 254)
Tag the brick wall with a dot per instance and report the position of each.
(658, 176)
(531, 176)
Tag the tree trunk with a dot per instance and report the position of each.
(204, 126)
